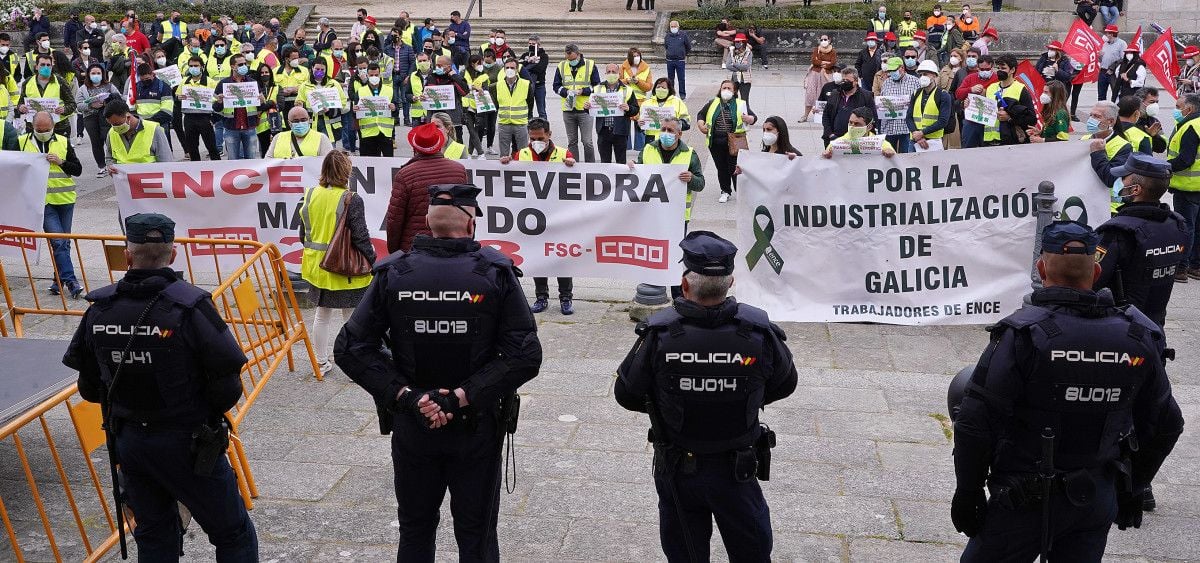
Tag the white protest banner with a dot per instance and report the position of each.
(818, 111)
(170, 75)
(323, 99)
(934, 238)
(25, 176)
(483, 101)
(42, 104)
(891, 107)
(240, 94)
(588, 220)
(197, 97)
(870, 144)
(606, 104)
(438, 98)
(373, 106)
(982, 110)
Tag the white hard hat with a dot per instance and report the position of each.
(928, 66)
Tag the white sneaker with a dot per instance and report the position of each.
(492, 151)
(724, 198)
(325, 367)
(78, 141)
(101, 173)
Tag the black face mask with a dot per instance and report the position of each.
(300, 42)
(360, 18)
(846, 86)
(1002, 75)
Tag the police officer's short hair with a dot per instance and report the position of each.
(1128, 105)
(1076, 270)
(538, 124)
(1155, 187)
(708, 288)
(150, 255)
(117, 107)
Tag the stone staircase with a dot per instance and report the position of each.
(603, 39)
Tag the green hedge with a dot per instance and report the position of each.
(146, 9)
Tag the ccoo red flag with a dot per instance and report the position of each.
(1083, 45)
(1034, 82)
(1161, 59)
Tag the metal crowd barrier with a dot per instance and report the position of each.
(249, 285)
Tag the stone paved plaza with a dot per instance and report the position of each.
(862, 472)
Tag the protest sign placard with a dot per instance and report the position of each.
(373, 106)
(652, 117)
(240, 94)
(870, 144)
(935, 238)
(483, 101)
(982, 110)
(324, 99)
(196, 97)
(592, 220)
(42, 104)
(25, 175)
(891, 107)
(439, 98)
(170, 75)
(606, 104)
(818, 110)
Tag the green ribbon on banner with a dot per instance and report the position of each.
(762, 242)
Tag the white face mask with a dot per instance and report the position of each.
(161, 61)
(637, 60)
(954, 61)
(92, 25)
(769, 138)
(478, 68)
(450, 41)
(499, 40)
(4, 52)
(510, 73)
(674, 29)
(45, 43)
(374, 80)
(727, 95)
(1129, 56)
(538, 146)
(87, 53)
(824, 42)
(836, 78)
(1152, 109)
(1045, 98)
(925, 81)
(294, 63)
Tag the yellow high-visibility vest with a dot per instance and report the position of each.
(650, 155)
(52, 91)
(168, 31)
(139, 150)
(380, 124)
(310, 145)
(455, 150)
(512, 105)
(1013, 91)
(60, 187)
(320, 211)
(1185, 180)
(711, 117)
(576, 78)
(926, 102)
(559, 154)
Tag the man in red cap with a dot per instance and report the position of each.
(405, 218)
(889, 41)
(1189, 77)
(870, 60)
(1054, 66)
(1110, 54)
(924, 53)
(990, 35)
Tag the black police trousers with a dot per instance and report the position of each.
(157, 465)
(427, 463)
(688, 503)
(1079, 533)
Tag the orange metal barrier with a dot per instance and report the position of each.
(85, 529)
(255, 298)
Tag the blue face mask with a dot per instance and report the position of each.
(243, 70)
(219, 50)
(96, 78)
(1178, 115)
(985, 74)
(301, 128)
(1093, 125)
(439, 71)
(910, 62)
(194, 70)
(895, 75)
(44, 72)
(576, 61)
(666, 139)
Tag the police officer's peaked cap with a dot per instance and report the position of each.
(1143, 165)
(707, 254)
(137, 227)
(1058, 235)
(460, 195)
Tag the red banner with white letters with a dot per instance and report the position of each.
(1163, 61)
(1083, 45)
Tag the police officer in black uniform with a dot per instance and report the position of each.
(461, 341)
(1075, 385)
(702, 370)
(153, 350)
(1143, 245)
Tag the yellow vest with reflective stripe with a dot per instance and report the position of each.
(638, 94)
(406, 35)
(929, 112)
(168, 31)
(711, 117)
(310, 145)
(6, 96)
(1185, 180)
(1136, 136)
(673, 102)
(381, 124)
(455, 151)
(904, 32)
(319, 212)
(650, 155)
(272, 95)
(292, 78)
(481, 82)
(219, 69)
(511, 105)
(559, 154)
(182, 60)
(139, 150)
(1111, 147)
(577, 79)
(146, 107)
(328, 126)
(416, 85)
(60, 188)
(992, 132)
(52, 91)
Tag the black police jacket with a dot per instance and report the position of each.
(1139, 252)
(1074, 362)
(708, 371)
(451, 314)
(183, 364)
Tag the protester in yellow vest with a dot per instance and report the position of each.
(669, 148)
(173, 28)
(453, 149)
(131, 139)
(905, 29)
(290, 77)
(415, 88)
(300, 139)
(220, 60)
(574, 81)
(1182, 153)
(662, 97)
(721, 117)
(328, 121)
(930, 110)
(320, 210)
(514, 98)
(197, 121)
(375, 128)
(192, 49)
(60, 195)
(1016, 112)
(1129, 110)
(47, 85)
(612, 130)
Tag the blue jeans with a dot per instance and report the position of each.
(902, 143)
(219, 133)
(972, 134)
(58, 220)
(539, 99)
(637, 138)
(1188, 205)
(678, 68)
(1110, 14)
(349, 135)
(241, 145)
(1102, 84)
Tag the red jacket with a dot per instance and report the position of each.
(971, 80)
(405, 217)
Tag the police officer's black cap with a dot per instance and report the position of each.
(707, 254)
(138, 226)
(1143, 165)
(460, 195)
(1058, 236)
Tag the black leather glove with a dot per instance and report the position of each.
(1129, 509)
(968, 510)
(406, 403)
(448, 403)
